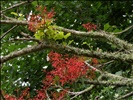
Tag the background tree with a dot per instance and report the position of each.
(106, 53)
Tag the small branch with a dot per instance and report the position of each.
(27, 39)
(16, 5)
(95, 69)
(8, 18)
(83, 91)
(14, 22)
(25, 35)
(103, 64)
(125, 96)
(122, 80)
(4, 34)
(124, 30)
(47, 95)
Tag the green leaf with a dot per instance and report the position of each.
(67, 35)
(106, 26)
(70, 41)
(116, 30)
(59, 36)
(14, 13)
(84, 43)
(39, 34)
(34, 3)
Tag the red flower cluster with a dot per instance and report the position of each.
(24, 95)
(59, 95)
(36, 21)
(66, 69)
(8, 97)
(41, 95)
(89, 26)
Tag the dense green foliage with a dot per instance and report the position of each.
(27, 70)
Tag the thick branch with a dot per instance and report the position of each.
(55, 46)
(118, 42)
(23, 52)
(117, 83)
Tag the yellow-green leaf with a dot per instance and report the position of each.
(67, 35)
(14, 13)
(59, 36)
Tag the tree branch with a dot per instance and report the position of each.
(118, 42)
(16, 5)
(125, 96)
(107, 83)
(4, 34)
(27, 39)
(120, 80)
(14, 22)
(128, 28)
(55, 46)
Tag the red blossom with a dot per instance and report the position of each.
(36, 21)
(50, 14)
(89, 26)
(68, 69)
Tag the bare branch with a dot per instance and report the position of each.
(13, 22)
(95, 69)
(47, 95)
(4, 34)
(16, 5)
(25, 35)
(27, 39)
(125, 30)
(83, 91)
(125, 96)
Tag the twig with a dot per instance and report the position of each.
(124, 30)
(106, 74)
(87, 89)
(14, 22)
(95, 69)
(98, 66)
(125, 96)
(25, 35)
(27, 39)
(4, 34)
(81, 92)
(16, 5)
(8, 18)
(47, 95)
